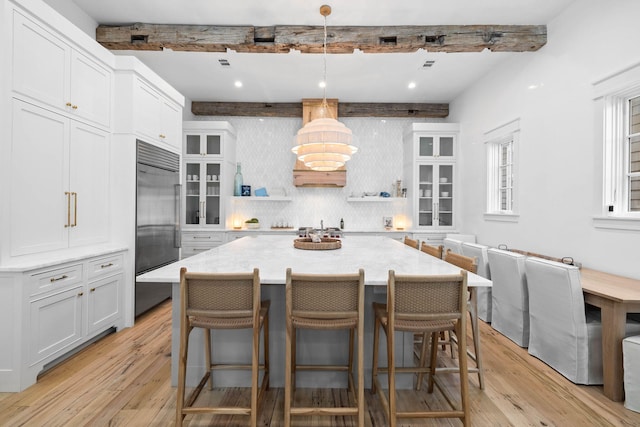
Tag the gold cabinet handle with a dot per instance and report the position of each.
(106, 265)
(75, 107)
(162, 136)
(75, 209)
(68, 104)
(92, 289)
(68, 224)
(55, 279)
(80, 294)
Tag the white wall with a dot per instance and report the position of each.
(77, 16)
(560, 174)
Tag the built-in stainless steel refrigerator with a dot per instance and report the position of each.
(157, 220)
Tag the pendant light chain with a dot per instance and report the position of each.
(324, 51)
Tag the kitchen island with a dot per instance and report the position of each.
(272, 255)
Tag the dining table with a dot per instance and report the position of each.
(272, 255)
(616, 296)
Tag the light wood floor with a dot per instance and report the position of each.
(123, 380)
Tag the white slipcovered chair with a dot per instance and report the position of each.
(562, 333)
(453, 245)
(631, 355)
(509, 295)
(483, 294)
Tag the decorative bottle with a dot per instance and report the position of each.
(237, 181)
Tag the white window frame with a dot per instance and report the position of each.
(615, 92)
(507, 134)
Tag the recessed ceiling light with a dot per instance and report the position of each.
(412, 85)
(238, 83)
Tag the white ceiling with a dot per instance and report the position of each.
(290, 77)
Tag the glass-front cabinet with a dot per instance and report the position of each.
(202, 204)
(207, 173)
(435, 195)
(430, 174)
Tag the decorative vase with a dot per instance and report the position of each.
(237, 181)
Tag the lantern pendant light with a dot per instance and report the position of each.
(324, 144)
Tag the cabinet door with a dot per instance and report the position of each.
(89, 185)
(39, 179)
(56, 323)
(203, 205)
(103, 304)
(170, 123)
(147, 111)
(90, 93)
(445, 205)
(436, 146)
(202, 145)
(40, 63)
(426, 200)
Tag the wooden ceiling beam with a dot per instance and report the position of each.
(345, 109)
(309, 39)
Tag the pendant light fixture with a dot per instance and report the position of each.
(324, 144)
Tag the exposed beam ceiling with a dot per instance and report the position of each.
(293, 109)
(309, 39)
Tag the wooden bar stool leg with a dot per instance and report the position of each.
(294, 353)
(391, 377)
(423, 360)
(374, 364)
(255, 372)
(361, 371)
(182, 372)
(288, 372)
(475, 330)
(207, 355)
(266, 351)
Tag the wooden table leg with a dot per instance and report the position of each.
(614, 319)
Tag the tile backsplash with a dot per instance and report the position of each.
(264, 150)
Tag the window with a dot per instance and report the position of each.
(501, 144)
(618, 100)
(632, 151)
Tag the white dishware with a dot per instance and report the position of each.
(445, 194)
(443, 180)
(427, 193)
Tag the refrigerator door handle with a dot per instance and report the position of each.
(177, 238)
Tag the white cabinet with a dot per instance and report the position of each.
(207, 175)
(55, 323)
(157, 117)
(55, 309)
(60, 181)
(430, 174)
(49, 70)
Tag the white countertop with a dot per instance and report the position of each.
(43, 260)
(273, 254)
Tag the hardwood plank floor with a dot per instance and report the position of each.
(124, 380)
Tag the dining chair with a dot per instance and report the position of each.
(453, 245)
(324, 302)
(564, 332)
(222, 301)
(411, 242)
(471, 265)
(631, 362)
(435, 251)
(510, 295)
(426, 305)
(479, 252)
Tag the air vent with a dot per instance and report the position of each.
(139, 39)
(388, 41)
(224, 62)
(428, 64)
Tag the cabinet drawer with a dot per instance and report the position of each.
(431, 238)
(202, 237)
(56, 279)
(106, 265)
(190, 250)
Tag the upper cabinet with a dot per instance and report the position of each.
(148, 107)
(430, 174)
(207, 173)
(50, 71)
(158, 117)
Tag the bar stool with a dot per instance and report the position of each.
(471, 265)
(222, 301)
(427, 305)
(435, 251)
(324, 302)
